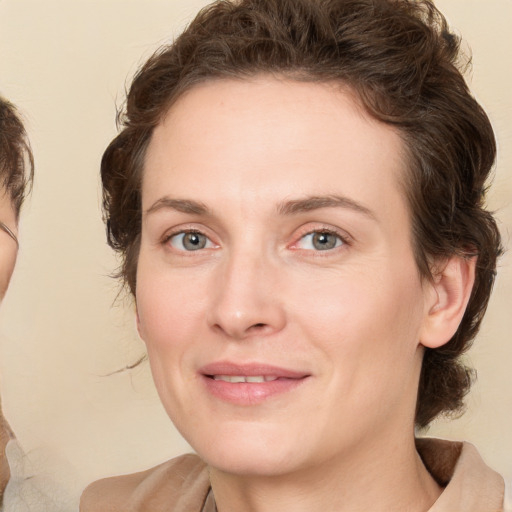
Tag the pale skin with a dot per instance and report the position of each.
(8, 247)
(8, 253)
(276, 232)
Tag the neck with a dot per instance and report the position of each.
(382, 478)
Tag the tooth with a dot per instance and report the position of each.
(229, 378)
(235, 379)
(255, 379)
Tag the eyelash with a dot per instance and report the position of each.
(166, 240)
(342, 240)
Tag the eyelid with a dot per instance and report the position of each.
(300, 233)
(308, 229)
(184, 229)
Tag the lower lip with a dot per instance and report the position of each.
(250, 393)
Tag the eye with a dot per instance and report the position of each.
(189, 241)
(320, 241)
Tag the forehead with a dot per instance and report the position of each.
(276, 138)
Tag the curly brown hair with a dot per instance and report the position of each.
(16, 160)
(405, 65)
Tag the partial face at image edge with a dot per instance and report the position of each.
(8, 241)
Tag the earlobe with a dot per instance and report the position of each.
(446, 300)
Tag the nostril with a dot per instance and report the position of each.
(259, 328)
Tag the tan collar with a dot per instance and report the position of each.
(209, 504)
(470, 485)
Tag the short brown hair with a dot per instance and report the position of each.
(403, 62)
(16, 160)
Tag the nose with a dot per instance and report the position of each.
(247, 301)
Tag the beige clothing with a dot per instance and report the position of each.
(182, 484)
(179, 485)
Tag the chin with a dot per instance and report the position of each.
(249, 462)
(249, 451)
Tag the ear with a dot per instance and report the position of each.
(446, 299)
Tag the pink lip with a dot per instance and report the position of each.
(249, 393)
(250, 370)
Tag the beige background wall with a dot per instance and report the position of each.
(65, 63)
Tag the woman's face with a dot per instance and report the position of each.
(8, 246)
(277, 290)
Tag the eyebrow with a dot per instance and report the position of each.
(311, 203)
(180, 205)
(287, 208)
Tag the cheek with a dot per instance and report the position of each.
(362, 319)
(168, 313)
(7, 261)
(168, 308)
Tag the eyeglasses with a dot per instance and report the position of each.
(9, 232)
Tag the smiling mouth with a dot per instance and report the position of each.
(249, 385)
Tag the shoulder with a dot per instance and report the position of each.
(181, 481)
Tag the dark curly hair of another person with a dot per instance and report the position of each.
(16, 160)
(404, 64)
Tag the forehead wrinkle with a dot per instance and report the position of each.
(310, 203)
(180, 205)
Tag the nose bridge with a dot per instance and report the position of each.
(247, 301)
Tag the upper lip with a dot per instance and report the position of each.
(250, 370)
